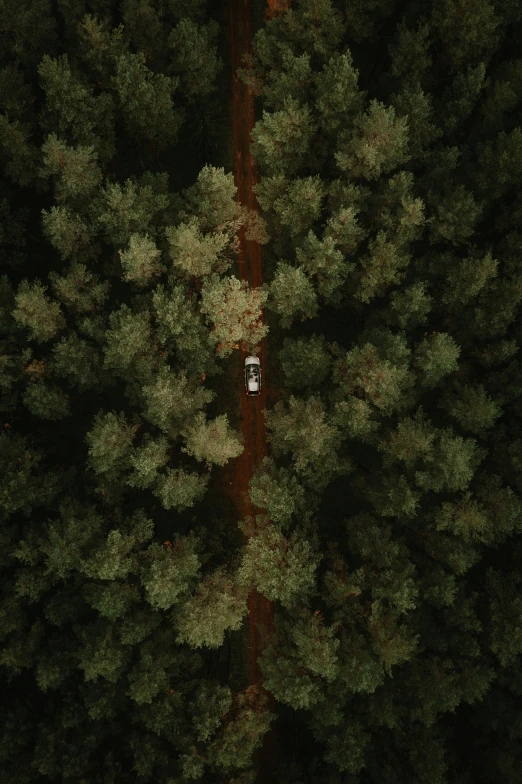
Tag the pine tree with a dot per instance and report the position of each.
(67, 232)
(129, 343)
(38, 313)
(302, 428)
(338, 97)
(325, 264)
(234, 310)
(367, 373)
(435, 357)
(172, 400)
(459, 98)
(99, 46)
(179, 489)
(194, 57)
(80, 289)
(212, 199)
(218, 604)
(291, 294)
(146, 29)
(303, 655)
(500, 98)
(168, 573)
(282, 140)
(147, 460)
(110, 442)
(46, 401)
(72, 109)
(24, 486)
(455, 216)
(141, 261)
(29, 32)
(145, 100)
(472, 407)
(451, 464)
(292, 79)
(77, 173)
(343, 226)
(411, 305)
(499, 163)
(242, 733)
(279, 567)
(381, 268)
(306, 361)
(213, 442)
(179, 324)
(466, 33)
(122, 210)
(194, 254)
(300, 206)
(376, 144)
(278, 492)
(411, 60)
(412, 102)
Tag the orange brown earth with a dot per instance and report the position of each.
(276, 8)
(261, 611)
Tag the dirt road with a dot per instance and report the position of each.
(261, 611)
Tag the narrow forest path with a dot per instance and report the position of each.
(260, 610)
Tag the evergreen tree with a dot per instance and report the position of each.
(460, 98)
(46, 401)
(67, 232)
(179, 324)
(145, 100)
(75, 168)
(376, 143)
(194, 254)
(302, 428)
(172, 400)
(393, 482)
(141, 261)
(290, 294)
(338, 97)
(300, 206)
(324, 264)
(281, 568)
(120, 211)
(38, 313)
(282, 139)
(278, 492)
(72, 109)
(234, 310)
(80, 289)
(466, 33)
(306, 362)
(292, 79)
(218, 604)
(214, 441)
(194, 57)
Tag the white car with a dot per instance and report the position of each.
(252, 376)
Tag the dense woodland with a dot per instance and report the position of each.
(389, 150)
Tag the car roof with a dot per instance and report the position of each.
(252, 360)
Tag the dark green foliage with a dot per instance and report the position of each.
(389, 148)
(414, 369)
(106, 439)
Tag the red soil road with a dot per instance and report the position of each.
(261, 611)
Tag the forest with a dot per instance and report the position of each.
(388, 145)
